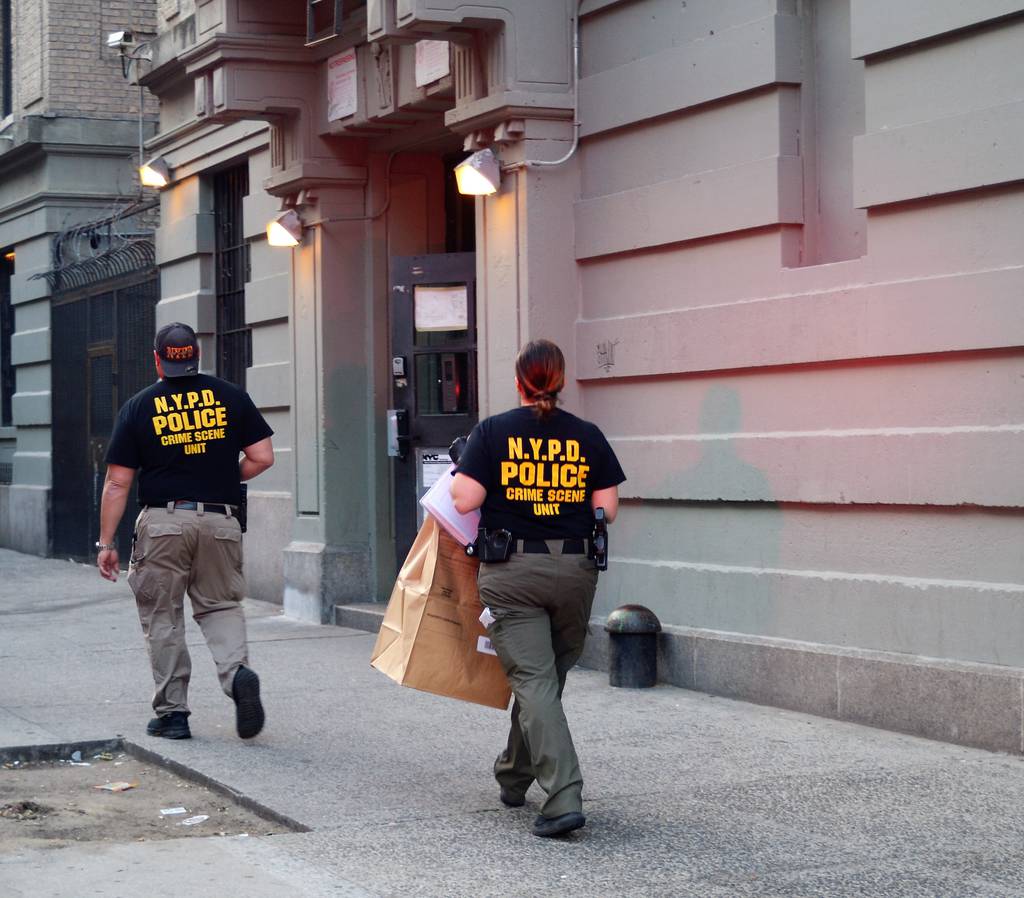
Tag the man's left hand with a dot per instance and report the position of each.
(107, 561)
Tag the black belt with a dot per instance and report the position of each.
(540, 547)
(192, 505)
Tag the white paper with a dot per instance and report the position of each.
(441, 308)
(432, 62)
(486, 618)
(438, 501)
(192, 821)
(483, 645)
(167, 812)
(341, 85)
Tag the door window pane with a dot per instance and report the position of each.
(442, 383)
(441, 314)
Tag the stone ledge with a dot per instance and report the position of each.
(980, 705)
(360, 616)
(316, 573)
(25, 518)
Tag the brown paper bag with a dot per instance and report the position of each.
(432, 638)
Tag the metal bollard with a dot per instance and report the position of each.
(633, 647)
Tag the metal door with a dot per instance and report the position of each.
(101, 402)
(433, 375)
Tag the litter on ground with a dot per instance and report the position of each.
(116, 787)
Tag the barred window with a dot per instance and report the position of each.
(234, 337)
(6, 331)
(6, 60)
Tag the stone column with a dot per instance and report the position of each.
(270, 383)
(527, 284)
(30, 491)
(341, 485)
(185, 245)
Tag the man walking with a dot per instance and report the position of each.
(184, 435)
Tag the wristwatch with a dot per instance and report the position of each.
(105, 547)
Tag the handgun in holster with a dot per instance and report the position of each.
(598, 547)
(491, 546)
(456, 449)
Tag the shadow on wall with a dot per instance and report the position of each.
(721, 474)
(722, 585)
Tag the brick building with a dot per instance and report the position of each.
(78, 284)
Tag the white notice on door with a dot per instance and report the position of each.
(341, 85)
(441, 308)
(433, 463)
(432, 62)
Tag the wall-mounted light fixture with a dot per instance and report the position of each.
(479, 174)
(285, 229)
(155, 173)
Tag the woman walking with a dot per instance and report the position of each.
(537, 473)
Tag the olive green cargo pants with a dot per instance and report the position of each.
(541, 606)
(184, 551)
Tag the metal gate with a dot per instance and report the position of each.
(234, 336)
(6, 332)
(102, 356)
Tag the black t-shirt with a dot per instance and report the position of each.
(539, 475)
(185, 434)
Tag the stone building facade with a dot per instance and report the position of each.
(780, 247)
(797, 228)
(69, 141)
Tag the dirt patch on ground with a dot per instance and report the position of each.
(58, 803)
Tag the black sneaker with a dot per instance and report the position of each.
(170, 726)
(249, 715)
(511, 799)
(547, 827)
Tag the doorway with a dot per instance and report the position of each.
(433, 349)
(433, 375)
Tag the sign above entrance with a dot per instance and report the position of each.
(342, 95)
(432, 62)
(441, 308)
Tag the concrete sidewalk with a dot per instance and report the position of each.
(685, 794)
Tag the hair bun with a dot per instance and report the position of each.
(540, 370)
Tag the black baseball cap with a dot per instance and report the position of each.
(178, 348)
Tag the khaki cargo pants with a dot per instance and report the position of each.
(178, 551)
(541, 606)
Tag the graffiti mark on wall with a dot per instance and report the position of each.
(606, 355)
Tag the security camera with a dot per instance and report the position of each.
(117, 39)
